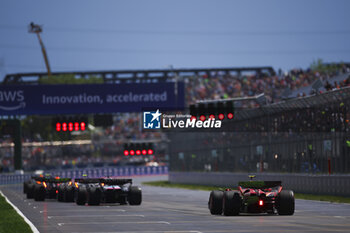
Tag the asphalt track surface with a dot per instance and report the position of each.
(174, 210)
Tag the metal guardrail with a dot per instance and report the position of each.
(91, 172)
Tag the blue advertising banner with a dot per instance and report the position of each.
(88, 98)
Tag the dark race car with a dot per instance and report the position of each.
(253, 197)
(93, 191)
(41, 187)
(66, 191)
(29, 185)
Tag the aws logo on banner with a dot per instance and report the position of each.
(11, 100)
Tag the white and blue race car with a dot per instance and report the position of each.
(94, 191)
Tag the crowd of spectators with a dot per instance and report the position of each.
(229, 86)
(128, 126)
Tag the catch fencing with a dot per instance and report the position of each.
(302, 135)
(300, 183)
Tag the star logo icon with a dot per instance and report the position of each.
(155, 115)
(151, 120)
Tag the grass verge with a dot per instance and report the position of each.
(166, 184)
(10, 221)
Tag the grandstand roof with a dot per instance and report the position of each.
(116, 76)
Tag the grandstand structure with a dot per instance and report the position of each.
(259, 126)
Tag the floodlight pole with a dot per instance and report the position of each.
(176, 84)
(37, 29)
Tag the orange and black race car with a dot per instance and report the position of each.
(42, 187)
(252, 197)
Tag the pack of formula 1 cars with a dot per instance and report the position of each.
(252, 197)
(92, 191)
(42, 187)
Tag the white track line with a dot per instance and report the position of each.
(92, 223)
(31, 225)
(94, 216)
(149, 232)
(81, 209)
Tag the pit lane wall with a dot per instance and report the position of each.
(90, 172)
(300, 183)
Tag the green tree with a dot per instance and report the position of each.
(70, 79)
(319, 66)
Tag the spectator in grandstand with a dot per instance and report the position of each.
(328, 86)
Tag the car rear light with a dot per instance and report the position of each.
(261, 203)
(56, 191)
(279, 189)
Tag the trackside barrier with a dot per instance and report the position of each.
(90, 172)
(302, 183)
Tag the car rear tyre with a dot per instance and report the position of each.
(215, 202)
(30, 191)
(94, 196)
(69, 194)
(81, 196)
(135, 195)
(231, 203)
(39, 192)
(285, 202)
(25, 186)
(60, 193)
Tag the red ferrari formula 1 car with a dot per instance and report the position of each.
(253, 197)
